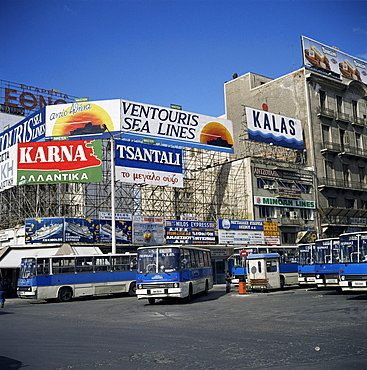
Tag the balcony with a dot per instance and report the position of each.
(330, 147)
(342, 117)
(326, 182)
(357, 121)
(325, 112)
(287, 221)
(342, 150)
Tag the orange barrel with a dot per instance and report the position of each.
(242, 287)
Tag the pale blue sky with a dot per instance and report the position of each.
(166, 51)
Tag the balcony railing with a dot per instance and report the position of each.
(344, 149)
(343, 184)
(359, 121)
(342, 117)
(325, 112)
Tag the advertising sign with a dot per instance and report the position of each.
(274, 128)
(29, 129)
(281, 202)
(184, 128)
(44, 230)
(123, 231)
(83, 118)
(240, 232)
(54, 162)
(148, 230)
(29, 98)
(331, 60)
(149, 164)
(81, 230)
(190, 232)
(8, 168)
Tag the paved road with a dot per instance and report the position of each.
(290, 329)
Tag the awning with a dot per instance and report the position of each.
(13, 257)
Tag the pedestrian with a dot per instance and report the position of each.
(228, 279)
(4, 287)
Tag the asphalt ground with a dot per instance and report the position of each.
(295, 328)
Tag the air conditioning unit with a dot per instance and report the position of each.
(293, 215)
(272, 187)
(266, 186)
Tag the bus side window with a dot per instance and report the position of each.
(101, 264)
(185, 259)
(43, 267)
(83, 264)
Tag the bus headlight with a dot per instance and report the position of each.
(140, 286)
(317, 276)
(176, 285)
(342, 277)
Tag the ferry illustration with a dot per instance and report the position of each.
(106, 229)
(47, 231)
(80, 230)
(88, 128)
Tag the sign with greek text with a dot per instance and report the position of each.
(148, 230)
(274, 128)
(148, 164)
(240, 231)
(190, 232)
(8, 168)
(53, 162)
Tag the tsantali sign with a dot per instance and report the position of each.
(59, 162)
(30, 98)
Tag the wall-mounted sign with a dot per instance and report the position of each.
(240, 232)
(190, 232)
(281, 202)
(274, 129)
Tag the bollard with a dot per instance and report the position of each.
(242, 287)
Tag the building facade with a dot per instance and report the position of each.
(333, 111)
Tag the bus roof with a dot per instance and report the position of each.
(174, 246)
(262, 256)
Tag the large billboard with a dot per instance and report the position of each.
(184, 128)
(240, 232)
(332, 60)
(148, 164)
(274, 129)
(53, 162)
(190, 232)
(83, 119)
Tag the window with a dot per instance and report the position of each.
(322, 99)
(362, 173)
(342, 139)
(325, 133)
(358, 141)
(329, 169)
(339, 104)
(289, 238)
(355, 109)
(271, 266)
(349, 203)
(123, 263)
(101, 264)
(331, 201)
(346, 173)
(306, 214)
(262, 182)
(84, 264)
(266, 212)
(63, 265)
(43, 266)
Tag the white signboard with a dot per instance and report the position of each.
(281, 202)
(274, 128)
(8, 167)
(240, 237)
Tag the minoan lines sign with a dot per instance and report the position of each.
(59, 162)
(150, 164)
(168, 125)
(273, 128)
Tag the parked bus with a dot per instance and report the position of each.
(288, 261)
(173, 271)
(306, 265)
(353, 264)
(327, 260)
(64, 277)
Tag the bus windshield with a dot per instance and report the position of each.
(27, 268)
(306, 255)
(154, 260)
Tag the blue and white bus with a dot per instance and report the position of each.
(327, 258)
(353, 264)
(288, 262)
(306, 265)
(64, 277)
(178, 271)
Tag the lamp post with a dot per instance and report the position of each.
(113, 180)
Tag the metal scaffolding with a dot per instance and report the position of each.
(214, 187)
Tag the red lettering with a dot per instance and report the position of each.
(24, 100)
(9, 97)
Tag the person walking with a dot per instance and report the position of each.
(4, 286)
(228, 279)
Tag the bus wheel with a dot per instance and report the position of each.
(151, 300)
(189, 297)
(65, 294)
(132, 289)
